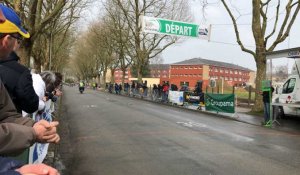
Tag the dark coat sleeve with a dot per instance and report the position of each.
(8, 113)
(16, 132)
(28, 100)
(8, 166)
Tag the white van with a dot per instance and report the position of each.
(290, 93)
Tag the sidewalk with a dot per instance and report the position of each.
(290, 124)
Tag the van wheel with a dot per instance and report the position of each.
(281, 112)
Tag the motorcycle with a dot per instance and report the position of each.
(81, 89)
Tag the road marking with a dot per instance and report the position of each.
(191, 124)
(90, 106)
(236, 137)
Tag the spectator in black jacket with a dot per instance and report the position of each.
(18, 82)
(267, 99)
(16, 78)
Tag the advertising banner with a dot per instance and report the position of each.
(176, 97)
(220, 102)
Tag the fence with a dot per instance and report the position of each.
(244, 95)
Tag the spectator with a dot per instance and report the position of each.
(16, 77)
(155, 92)
(160, 90)
(39, 88)
(16, 132)
(13, 167)
(165, 92)
(110, 87)
(120, 88)
(145, 88)
(117, 89)
(267, 100)
(133, 87)
(126, 87)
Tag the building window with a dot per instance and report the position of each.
(221, 70)
(230, 78)
(226, 70)
(235, 79)
(235, 72)
(216, 70)
(184, 83)
(231, 72)
(226, 78)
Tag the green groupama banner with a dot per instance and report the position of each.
(220, 102)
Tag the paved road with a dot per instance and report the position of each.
(115, 135)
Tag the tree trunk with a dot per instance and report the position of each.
(260, 76)
(104, 76)
(123, 77)
(99, 79)
(139, 73)
(37, 65)
(112, 78)
(27, 50)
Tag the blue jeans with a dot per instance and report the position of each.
(266, 111)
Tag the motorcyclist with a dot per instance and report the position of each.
(81, 86)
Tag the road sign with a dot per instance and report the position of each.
(170, 27)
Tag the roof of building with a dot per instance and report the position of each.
(159, 66)
(196, 61)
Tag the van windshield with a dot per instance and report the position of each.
(289, 86)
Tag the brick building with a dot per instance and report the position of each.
(190, 71)
(119, 74)
(161, 71)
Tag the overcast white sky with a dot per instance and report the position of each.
(223, 46)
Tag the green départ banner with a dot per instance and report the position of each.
(220, 102)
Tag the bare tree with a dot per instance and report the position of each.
(119, 34)
(143, 47)
(267, 28)
(104, 46)
(41, 16)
